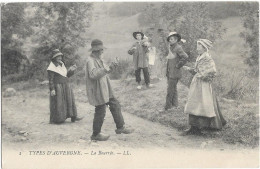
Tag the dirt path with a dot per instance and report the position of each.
(28, 111)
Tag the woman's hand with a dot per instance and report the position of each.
(72, 68)
(133, 48)
(187, 68)
(53, 93)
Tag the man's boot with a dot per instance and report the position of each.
(124, 130)
(100, 137)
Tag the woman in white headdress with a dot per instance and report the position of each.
(202, 105)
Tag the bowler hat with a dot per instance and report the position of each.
(96, 45)
(138, 32)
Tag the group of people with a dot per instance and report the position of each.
(202, 105)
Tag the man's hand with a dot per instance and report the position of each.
(113, 66)
(107, 68)
(187, 68)
(53, 93)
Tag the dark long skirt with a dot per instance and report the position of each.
(216, 122)
(62, 105)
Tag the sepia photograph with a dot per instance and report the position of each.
(167, 84)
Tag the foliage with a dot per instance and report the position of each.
(222, 10)
(16, 77)
(191, 20)
(62, 26)
(217, 10)
(232, 84)
(11, 61)
(14, 30)
(123, 70)
(250, 17)
(14, 27)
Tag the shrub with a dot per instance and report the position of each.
(250, 17)
(123, 70)
(243, 127)
(236, 85)
(15, 78)
(192, 20)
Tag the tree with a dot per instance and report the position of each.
(250, 17)
(62, 26)
(14, 30)
(192, 20)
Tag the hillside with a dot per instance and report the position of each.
(115, 32)
(229, 50)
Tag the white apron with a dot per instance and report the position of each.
(152, 55)
(200, 98)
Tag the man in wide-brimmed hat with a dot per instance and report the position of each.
(138, 33)
(140, 59)
(100, 92)
(176, 58)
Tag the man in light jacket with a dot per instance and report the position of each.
(100, 93)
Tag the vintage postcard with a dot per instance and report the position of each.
(130, 84)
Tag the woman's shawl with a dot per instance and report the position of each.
(58, 69)
(205, 67)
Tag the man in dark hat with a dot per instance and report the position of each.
(176, 58)
(100, 93)
(140, 59)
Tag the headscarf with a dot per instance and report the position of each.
(206, 43)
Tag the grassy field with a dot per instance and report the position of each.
(243, 118)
